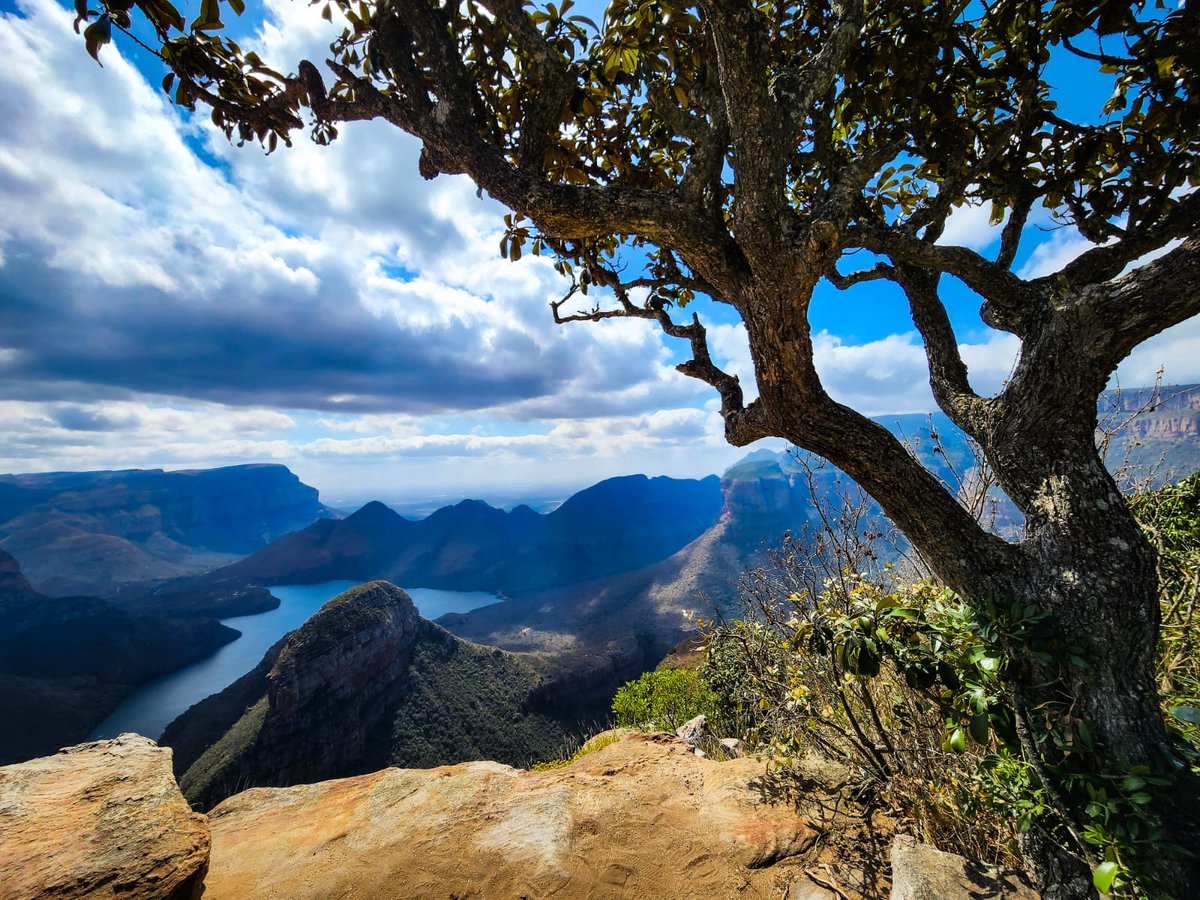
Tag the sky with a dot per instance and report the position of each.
(170, 300)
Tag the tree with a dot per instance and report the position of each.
(743, 151)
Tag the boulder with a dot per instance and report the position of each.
(921, 872)
(695, 731)
(642, 817)
(733, 747)
(100, 820)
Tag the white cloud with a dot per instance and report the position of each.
(889, 375)
(329, 308)
(970, 226)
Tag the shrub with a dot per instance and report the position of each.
(664, 700)
(591, 745)
(1170, 517)
(896, 683)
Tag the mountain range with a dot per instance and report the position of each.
(602, 586)
(95, 532)
(614, 526)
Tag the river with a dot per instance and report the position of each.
(150, 708)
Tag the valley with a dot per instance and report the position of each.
(154, 705)
(589, 593)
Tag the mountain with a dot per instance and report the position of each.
(367, 683)
(92, 532)
(66, 662)
(614, 526)
(1156, 431)
(658, 604)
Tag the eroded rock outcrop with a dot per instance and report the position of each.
(99, 820)
(364, 684)
(642, 817)
(921, 872)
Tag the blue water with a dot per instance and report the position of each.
(150, 708)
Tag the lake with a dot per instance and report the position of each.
(150, 708)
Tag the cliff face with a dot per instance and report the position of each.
(367, 683)
(330, 684)
(65, 662)
(90, 532)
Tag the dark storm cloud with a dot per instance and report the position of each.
(131, 266)
(78, 418)
(324, 352)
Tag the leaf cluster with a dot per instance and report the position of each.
(935, 103)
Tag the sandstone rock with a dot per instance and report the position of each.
(643, 817)
(733, 747)
(920, 872)
(806, 888)
(694, 731)
(99, 820)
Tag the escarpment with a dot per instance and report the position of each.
(367, 683)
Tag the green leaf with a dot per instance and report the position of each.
(238, 6)
(957, 742)
(1104, 875)
(209, 18)
(1188, 714)
(979, 728)
(97, 35)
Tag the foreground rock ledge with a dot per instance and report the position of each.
(99, 820)
(643, 817)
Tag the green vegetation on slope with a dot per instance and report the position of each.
(206, 774)
(463, 701)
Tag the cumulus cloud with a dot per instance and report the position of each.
(970, 226)
(170, 299)
(889, 375)
(317, 279)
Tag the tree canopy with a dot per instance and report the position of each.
(724, 146)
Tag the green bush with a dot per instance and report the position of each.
(1170, 517)
(664, 700)
(900, 682)
(907, 684)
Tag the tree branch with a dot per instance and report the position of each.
(1011, 304)
(798, 90)
(546, 93)
(700, 366)
(1122, 314)
(759, 162)
(947, 372)
(880, 271)
(1104, 263)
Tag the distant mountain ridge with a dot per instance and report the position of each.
(91, 532)
(614, 526)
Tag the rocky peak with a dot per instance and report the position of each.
(373, 512)
(343, 649)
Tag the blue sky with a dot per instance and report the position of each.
(169, 300)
